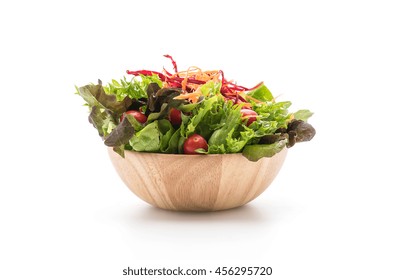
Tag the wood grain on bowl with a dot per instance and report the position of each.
(196, 182)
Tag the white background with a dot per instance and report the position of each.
(65, 214)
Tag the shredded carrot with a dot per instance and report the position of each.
(195, 73)
(193, 97)
(191, 90)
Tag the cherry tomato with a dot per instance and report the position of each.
(141, 118)
(193, 143)
(248, 114)
(175, 116)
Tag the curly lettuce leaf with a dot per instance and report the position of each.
(210, 88)
(232, 120)
(272, 116)
(135, 88)
(264, 127)
(235, 144)
(200, 113)
(216, 149)
(214, 119)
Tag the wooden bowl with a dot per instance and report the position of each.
(196, 182)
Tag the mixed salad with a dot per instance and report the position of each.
(192, 112)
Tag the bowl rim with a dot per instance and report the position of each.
(194, 155)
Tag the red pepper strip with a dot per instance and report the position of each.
(225, 91)
(233, 87)
(228, 87)
(189, 80)
(167, 72)
(236, 87)
(173, 62)
(223, 77)
(255, 87)
(174, 84)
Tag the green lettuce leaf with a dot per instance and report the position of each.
(183, 128)
(172, 147)
(256, 152)
(155, 137)
(120, 150)
(262, 93)
(166, 132)
(303, 115)
(147, 139)
(189, 107)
